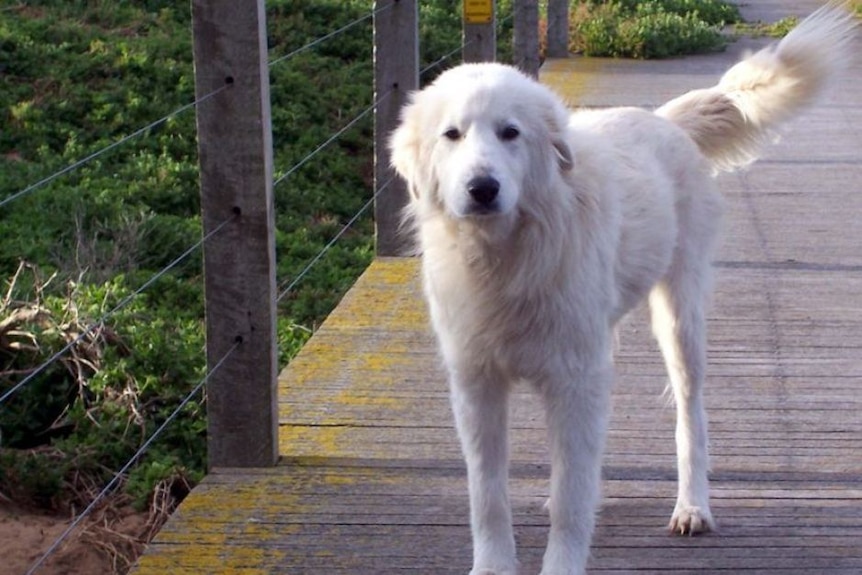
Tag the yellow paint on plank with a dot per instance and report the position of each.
(348, 397)
(385, 299)
(390, 298)
(571, 78)
(327, 360)
(260, 493)
(224, 560)
(390, 310)
(394, 271)
(340, 380)
(212, 547)
(326, 441)
(354, 355)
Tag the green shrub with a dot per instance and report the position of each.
(777, 29)
(652, 29)
(87, 414)
(713, 12)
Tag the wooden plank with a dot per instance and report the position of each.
(414, 517)
(235, 149)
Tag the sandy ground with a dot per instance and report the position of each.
(25, 535)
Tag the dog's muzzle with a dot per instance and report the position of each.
(484, 191)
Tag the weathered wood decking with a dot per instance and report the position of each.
(371, 479)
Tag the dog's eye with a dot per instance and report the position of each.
(509, 133)
(452, 134)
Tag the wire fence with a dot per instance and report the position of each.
(148, 128)
(287, 286)
(104, 318)
(333, 34)
(308, 157)
(284, 288)
(116, 144)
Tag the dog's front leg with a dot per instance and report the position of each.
(577, 413)
(480, 405)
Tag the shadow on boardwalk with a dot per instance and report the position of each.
(371, 480)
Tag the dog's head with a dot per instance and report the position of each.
(475, 141)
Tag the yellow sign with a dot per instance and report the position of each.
(478, 11)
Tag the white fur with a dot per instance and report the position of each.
(594, 211)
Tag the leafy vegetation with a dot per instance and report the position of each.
(81, 419)
(777, 29)
(651, 29)
(75, 76)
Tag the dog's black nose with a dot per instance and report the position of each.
(483, 190)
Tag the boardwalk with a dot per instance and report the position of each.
(371, 480)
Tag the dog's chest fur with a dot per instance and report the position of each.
(495, 296)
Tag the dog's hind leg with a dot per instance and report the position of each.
(679, 325)
(480, 406)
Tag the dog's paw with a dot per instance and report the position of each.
(691, 520)
(487, 571)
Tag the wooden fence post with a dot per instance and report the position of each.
(525, 44)
(235, 147)
(558, 28)
(396, 74)
(480, 35)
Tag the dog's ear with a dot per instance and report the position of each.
(404, 147)
(564, 153)
(556, 119)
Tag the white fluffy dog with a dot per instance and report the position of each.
(540, 229)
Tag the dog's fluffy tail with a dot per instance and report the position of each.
(730, 121)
